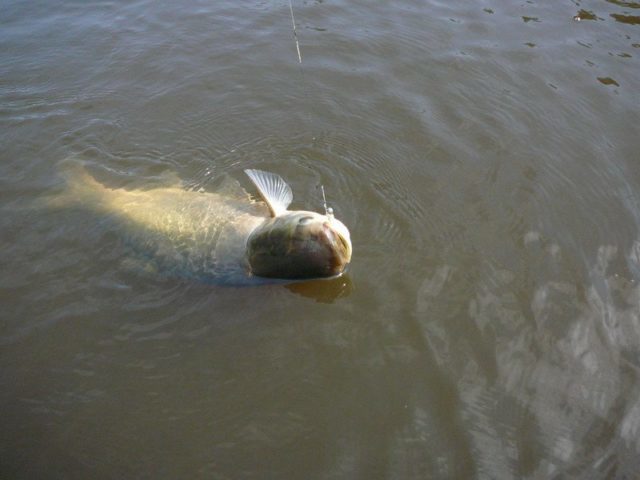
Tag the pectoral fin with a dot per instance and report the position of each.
(274, 190)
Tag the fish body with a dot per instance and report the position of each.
(223, 237)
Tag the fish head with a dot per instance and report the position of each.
(299, 244)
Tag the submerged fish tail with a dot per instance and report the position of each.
(80, 188)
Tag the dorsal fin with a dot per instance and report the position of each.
(274, 190)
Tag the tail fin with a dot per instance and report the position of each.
(80, 187)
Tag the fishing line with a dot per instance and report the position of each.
(304, 82)
(328, 210)
(295, 33)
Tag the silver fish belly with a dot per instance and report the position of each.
(202, 235)
(181, 232)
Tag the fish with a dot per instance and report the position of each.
(225, 236)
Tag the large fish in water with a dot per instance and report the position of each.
(223, 237)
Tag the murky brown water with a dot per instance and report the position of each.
(485, 156)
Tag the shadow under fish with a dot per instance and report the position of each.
(224, 237)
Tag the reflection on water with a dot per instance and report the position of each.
(563, 370)
(325, 291)
(608, 81)
(630, 19)
(484, 159)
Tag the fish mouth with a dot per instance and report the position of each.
(342, 232)
(340, 247)
(346, 244)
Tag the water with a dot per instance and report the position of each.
(484, 156)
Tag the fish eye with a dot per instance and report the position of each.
(305, 220)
